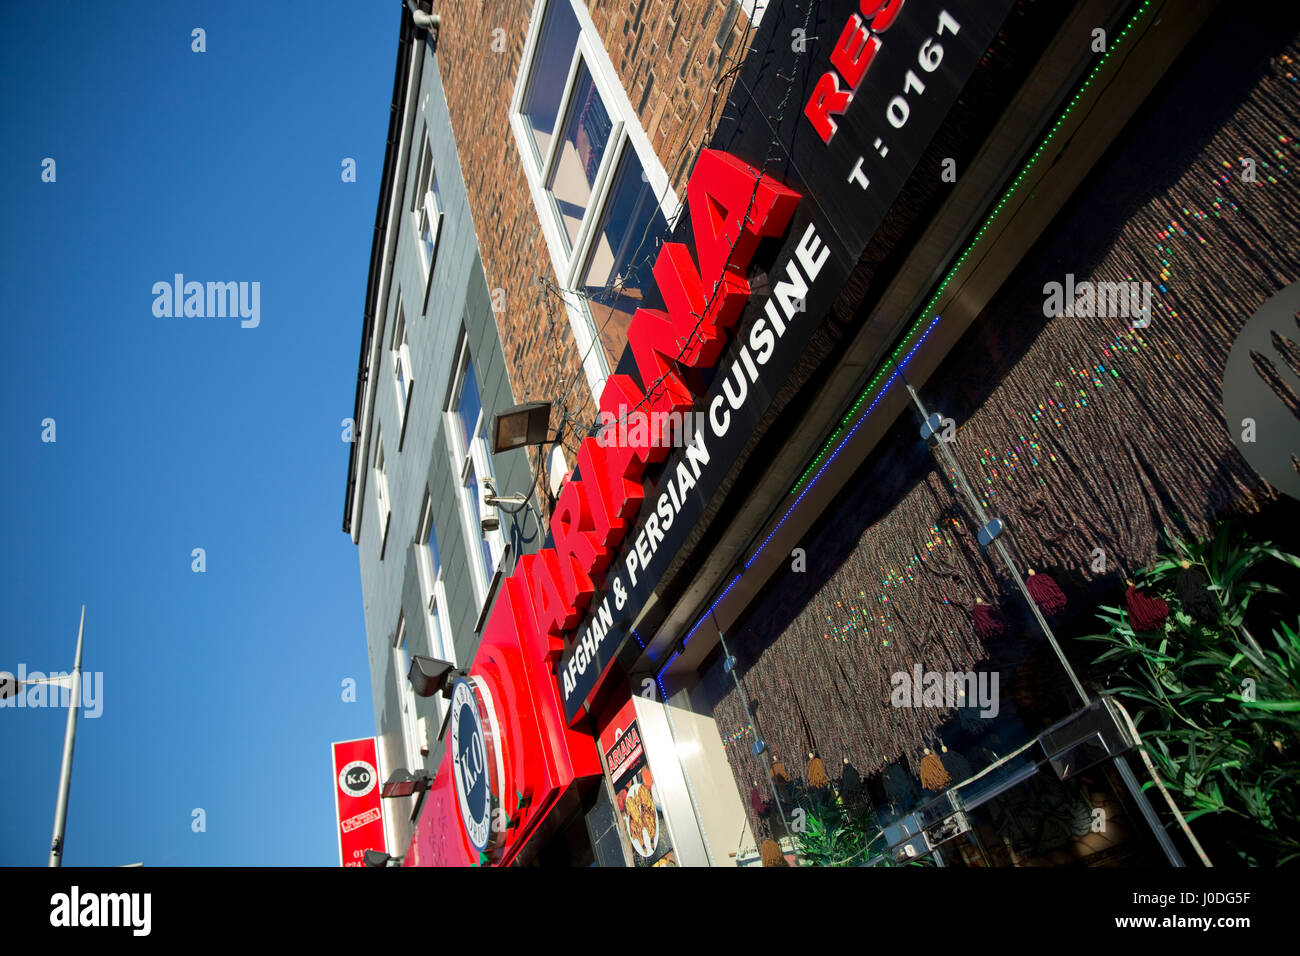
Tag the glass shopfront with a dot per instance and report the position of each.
(896, 694)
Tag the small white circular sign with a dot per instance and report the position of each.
(358, 778)
(470, 765)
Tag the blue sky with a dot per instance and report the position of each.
(221, 690)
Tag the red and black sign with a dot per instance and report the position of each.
(828, 119)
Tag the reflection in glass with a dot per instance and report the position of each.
(622, 256)
(429, 218)
(549, 71)
(469, 406)
(471, 488)
(431, 542)
(586, 134)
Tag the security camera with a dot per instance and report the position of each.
(491, 500)
(489, 520)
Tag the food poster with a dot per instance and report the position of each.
(637, 806)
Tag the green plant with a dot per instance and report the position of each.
(832, 835)
(1219, 711)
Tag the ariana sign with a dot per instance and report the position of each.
(732, 207)
(826, 202)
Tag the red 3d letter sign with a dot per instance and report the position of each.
(732, 207)
(851, 57)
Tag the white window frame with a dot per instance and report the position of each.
(381, 491)
(478, 459)
(754, 10)
(625, 133)
(425, 207)
(434, 594)
(406, 694)
(403, 378)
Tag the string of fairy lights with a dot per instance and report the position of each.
(650, 388)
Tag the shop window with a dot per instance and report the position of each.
(467, 427)
(602, 196)
(381, 491)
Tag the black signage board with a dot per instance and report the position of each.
(763, 123)
(913, 80)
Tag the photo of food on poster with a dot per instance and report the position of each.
(636, 801)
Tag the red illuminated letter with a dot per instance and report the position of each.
(611, 496)
(543, 572)
(881, 20)
(732, 207)
(579, 553)
(622, 403)
(854, 52)
(827, 98)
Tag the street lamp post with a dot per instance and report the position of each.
(69, 740)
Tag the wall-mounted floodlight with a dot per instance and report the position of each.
(521, 425)
(428, 674)
(403, 783)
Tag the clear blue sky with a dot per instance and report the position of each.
(222, 690)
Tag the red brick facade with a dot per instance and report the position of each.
(672, 57)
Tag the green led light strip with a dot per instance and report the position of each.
(961, 259)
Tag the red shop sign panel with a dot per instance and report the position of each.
(358, 809)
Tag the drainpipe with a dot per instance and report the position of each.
(423, 20)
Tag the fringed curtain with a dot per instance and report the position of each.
(1082, 433)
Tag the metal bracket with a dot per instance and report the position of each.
(990, 532)
(930, 429)
(1086, 738)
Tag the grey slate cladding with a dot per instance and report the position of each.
(458, 299)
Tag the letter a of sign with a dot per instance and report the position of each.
(719, 194)
(732, 207)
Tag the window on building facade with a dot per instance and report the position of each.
(381, 491)
(426, 206)
(466, 428)
(410, 721)
(435, 600)
(400, 353)
(602, 195)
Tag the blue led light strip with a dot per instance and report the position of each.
(899, 365)
(826, 464)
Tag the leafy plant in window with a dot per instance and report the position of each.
(835, 833)
(1218, 688)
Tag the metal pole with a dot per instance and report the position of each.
(758, 735)
(1126, 774)
(69, 739)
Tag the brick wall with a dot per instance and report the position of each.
(669, 54)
